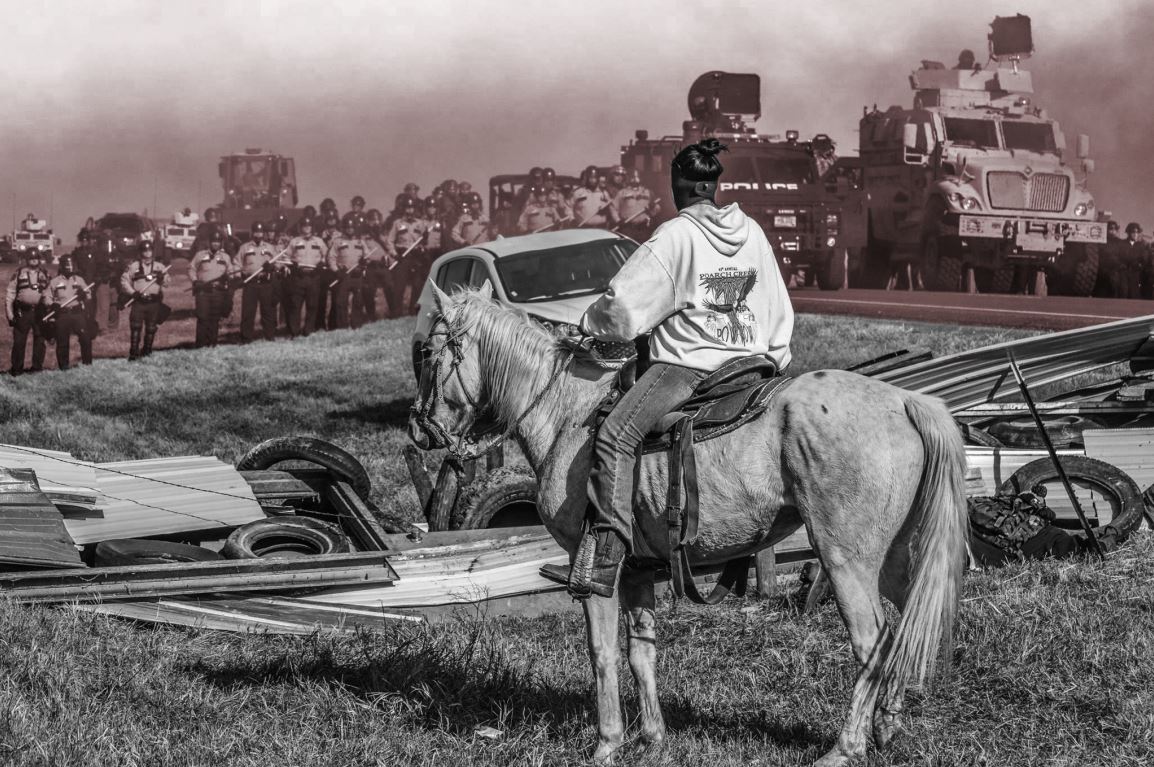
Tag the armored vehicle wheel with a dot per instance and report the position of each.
(831, 275)
(1003, 280)
(942, 263)
(1085, 274)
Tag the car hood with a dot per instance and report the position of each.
(562, 309)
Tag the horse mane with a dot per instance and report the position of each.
(517, 355)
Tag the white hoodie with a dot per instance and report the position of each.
(706, 283)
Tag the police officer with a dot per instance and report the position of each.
(553, 194)
(328, 208)
(256, 264)
(632, 208)
(25, 307)
(331, 228)
(1132, 255)
(211, 271)
(616, 180)
(404, 244)
(537, 214)
(306, 267)
(204, 230)
(1109, 263)
(91, 262)
(142, 282)
(473, 225)
(374, 276)
(356, 211)
(346, 261)
(67, 295)
(589, 204)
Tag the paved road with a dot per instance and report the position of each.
(1047, 313)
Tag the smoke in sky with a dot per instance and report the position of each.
(128, 105)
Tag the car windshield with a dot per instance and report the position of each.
(562, 272)
(129, 223)
(1034, 137)
(250, 174)
(976, 133)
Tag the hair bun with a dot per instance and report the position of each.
(712, 147)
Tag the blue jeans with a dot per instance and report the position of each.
(661, 390)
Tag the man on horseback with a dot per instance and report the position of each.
(707, 287)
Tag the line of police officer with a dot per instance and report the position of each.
(279, 276)
(615, 201)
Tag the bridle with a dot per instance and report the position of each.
(468, 445)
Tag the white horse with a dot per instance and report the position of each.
(875, 473)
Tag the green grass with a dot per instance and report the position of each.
(1054, 664)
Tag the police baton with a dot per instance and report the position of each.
(1094, 546)
(626, 221)
(52, 313)
(150, 277)
(409, 249)
(274, 259)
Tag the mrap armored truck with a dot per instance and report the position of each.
(258, 186)
(969, 186)
(796, 190)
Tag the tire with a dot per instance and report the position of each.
(139, 551)
(271, 452)
(1023, 432)
(942, 264)
(1099, 474)
(831, 276)
(1085, 274)
(503, 498)
(1002, 280)
(283, 538)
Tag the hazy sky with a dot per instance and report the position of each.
(109, 104)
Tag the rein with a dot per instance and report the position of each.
(469, 446)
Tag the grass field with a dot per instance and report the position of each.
(1054, 663)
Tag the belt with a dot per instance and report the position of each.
(148, 299)
(70, 309)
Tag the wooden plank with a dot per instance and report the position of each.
(357, 519)
(199, 577)
(32, 531)
(419, 474)
(270, 485)
(260, 614)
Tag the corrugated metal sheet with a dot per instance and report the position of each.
(166, 495)
(982, 375)
(31, 529)
(59, 474)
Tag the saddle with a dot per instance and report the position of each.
(728, 398)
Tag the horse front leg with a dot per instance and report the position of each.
(639, 605)
(604, 653)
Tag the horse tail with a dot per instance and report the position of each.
(939, 544)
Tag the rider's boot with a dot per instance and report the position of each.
(595, 567)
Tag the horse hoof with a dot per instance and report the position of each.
(887, 726)
(835, 758)
(605, 755)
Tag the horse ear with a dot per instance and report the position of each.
(486, 288)
(441, 298)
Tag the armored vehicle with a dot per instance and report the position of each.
(34, 234)
(796, 190)
(970, 183)
(258, 186)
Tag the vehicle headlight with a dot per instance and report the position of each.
(830, 241)
(963, 202)
(1081, 208)
(969, 203)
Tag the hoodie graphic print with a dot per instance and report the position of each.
(708, 287)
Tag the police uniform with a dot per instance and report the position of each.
(406, 235)
(629, 211)
(307, 263)
(68, 295)
(143, 281)
(554, 197)
(470, 229)
(25, 307)
(211, 272)
(373, 279)
(537, 215)
(346, 261)
(589, 207)
(260, 286)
